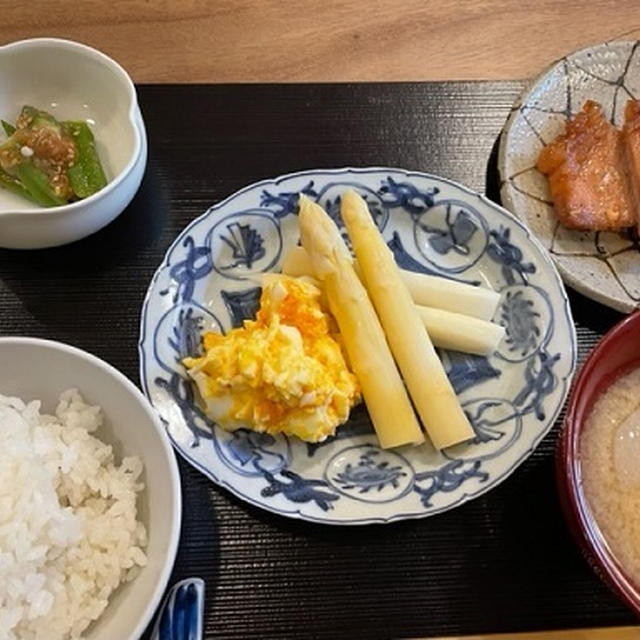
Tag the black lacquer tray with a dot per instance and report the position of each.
(501, 563)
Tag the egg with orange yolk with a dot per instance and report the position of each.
(283, 372)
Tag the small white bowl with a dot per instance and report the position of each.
(73, 82)
(41, 369)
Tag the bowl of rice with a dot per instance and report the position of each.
(598, 474)
(90, 502)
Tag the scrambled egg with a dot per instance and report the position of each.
(280, 373)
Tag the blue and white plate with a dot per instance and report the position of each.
(432, 225)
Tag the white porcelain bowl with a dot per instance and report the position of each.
(73, 82)
(32, 368)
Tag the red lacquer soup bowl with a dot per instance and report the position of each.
(617, 353)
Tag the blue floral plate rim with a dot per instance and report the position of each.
(464, 496)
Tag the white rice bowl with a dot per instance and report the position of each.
(32, 368)
(69, 532)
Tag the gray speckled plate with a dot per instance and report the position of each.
(604, 266)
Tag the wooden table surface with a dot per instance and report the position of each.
(320, 41)
(313, 41)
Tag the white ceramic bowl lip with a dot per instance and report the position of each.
(89, 52)
(172, 547)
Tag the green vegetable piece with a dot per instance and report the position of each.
(15, 186)
(37, 184)
(10, 145)
(86, 175)
(19, 175)
(39, 119)
(9, 129)
(11, 156)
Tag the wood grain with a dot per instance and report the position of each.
(196, 41)
(319, 41)
(619, 633)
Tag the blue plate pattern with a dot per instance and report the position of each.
(432, 225)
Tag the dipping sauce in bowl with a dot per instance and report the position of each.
(598, 460)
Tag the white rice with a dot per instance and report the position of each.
(69, 533)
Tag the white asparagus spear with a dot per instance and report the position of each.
(447, 330)
(296, 262)
(430, 389)
(382, 388)
(458, 332)
(451, 295)
(426, 290)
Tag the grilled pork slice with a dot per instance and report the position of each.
(586, 172)
(631, 139)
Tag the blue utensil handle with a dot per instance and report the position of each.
(182, 612)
